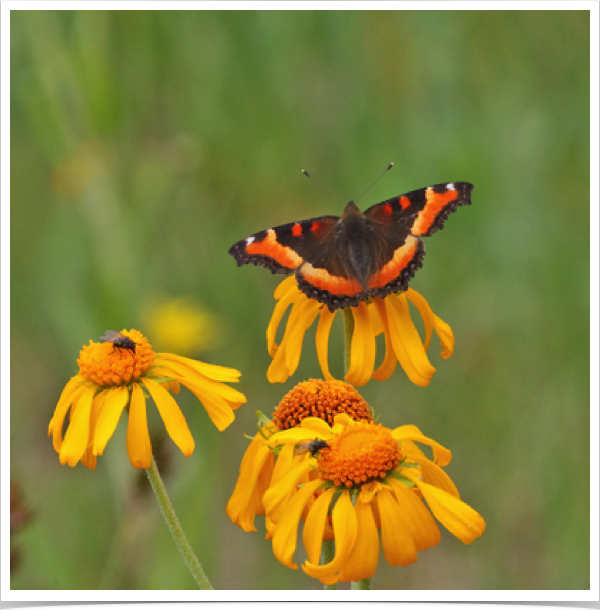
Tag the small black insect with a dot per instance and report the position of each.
(312, 447)
(119, 341)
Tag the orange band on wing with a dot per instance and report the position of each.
(435, 203)
(402, 257)
(321, 278)
(270, 247)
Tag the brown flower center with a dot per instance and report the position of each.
(324, 399)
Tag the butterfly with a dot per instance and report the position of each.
(343, 260)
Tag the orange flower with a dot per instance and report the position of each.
(389, 316)
(368, 479)
(112, 379)
(260, 467)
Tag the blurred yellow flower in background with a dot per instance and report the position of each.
(180, 326)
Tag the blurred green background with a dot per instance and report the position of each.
(144, 144)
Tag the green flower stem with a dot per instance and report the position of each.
(175, 527)
(362, 585)
(327, 555)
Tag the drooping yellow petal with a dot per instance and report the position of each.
(345, 530)
(314, 528)
(139, 447)
(406, 341)
(293, 436)
(433, 474)
(172, 417)
(281, 489)
(286, 533)
(307, 312)
(425, 532)
(388, 366)
(218, 409)
(114, 403)
(322, 340)
(184, 374)
(426, 312)
(362, 561)
(285, 296)
(444, 332)
(396, 536)
(441, 455)
(456, 516)
(242, 506)
(362, 348)
(88, 459)
(76, 438)
(212, 371)
(71, 393)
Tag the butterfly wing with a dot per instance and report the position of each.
(285, 248)
(421, 212)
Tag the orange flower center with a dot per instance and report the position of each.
(324, 399)
(106, 365)
(361, 453)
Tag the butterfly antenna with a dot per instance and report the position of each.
(324, 186)
(387, 169)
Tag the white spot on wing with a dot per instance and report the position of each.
(450, 186)
(249, 240)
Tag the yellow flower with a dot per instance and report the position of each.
(112, 378)
(368, 479)
(259, 468)
(181, 327)
(389, 315)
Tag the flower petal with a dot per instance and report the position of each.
(88, 459)
(406, 341)
(76, 438)
(184, 373)
(242, 506)
(424, 529)
(307, 312)
(433, 474)
(345, 529)
(212, 371)
(396, 536)
(114, 403)
(322, 340)
(218, 409)
(362, 348)
(456, 516)
(285, 295)
(362, 561)
(388, 366)
(286, 532)
(426, 312)
(70, 394)
(139, 447)
(314, 528)
(172, 417)
(444, 332)
(441, 455)
(278, 492)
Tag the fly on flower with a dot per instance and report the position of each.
(106, 386)
(119, 340)
(312, 447)
(342, 261)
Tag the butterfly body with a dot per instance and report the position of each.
(341, 261)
